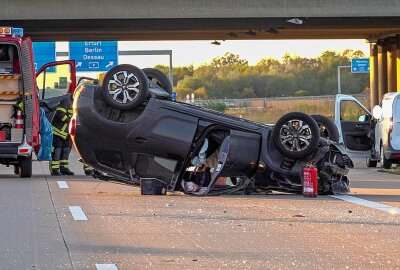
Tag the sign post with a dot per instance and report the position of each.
(339, 86)
(44, 52)
(94, 55)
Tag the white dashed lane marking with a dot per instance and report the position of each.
(62, 184)
(106, 266)
(77, 213)
(390, 209)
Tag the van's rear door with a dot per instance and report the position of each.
(30, 93)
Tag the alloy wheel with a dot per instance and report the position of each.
(295, 135)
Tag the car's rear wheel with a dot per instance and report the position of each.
(296, 135)
(157, 77)
(25, 167)
(386, 163)
(327, 127)
(125, 87)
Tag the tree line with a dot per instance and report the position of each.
(229, 76)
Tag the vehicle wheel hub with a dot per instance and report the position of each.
(295, 135)
(123, 87)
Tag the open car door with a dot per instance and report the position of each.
(353, 121)
(55, 81)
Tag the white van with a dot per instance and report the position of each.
(374, 137)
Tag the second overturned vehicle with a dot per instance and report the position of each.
(130, 128)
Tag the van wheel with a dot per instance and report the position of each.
(25, 167)
(125, 87)
(371, 163)
(386, 163)
(16, 169)
(296, 135)
(327, 127)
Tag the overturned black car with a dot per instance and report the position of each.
(130, 128)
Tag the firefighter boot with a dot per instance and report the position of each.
(66, 171)
(64, 164)
(64, 168)
(56, 172)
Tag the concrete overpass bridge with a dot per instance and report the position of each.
(376, 21)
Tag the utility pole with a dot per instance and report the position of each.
(339, 88)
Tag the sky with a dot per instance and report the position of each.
(198, 52)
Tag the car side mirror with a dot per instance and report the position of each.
(377, 112)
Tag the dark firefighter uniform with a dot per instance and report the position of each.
(61, 140)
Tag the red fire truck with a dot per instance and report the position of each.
(21, 93)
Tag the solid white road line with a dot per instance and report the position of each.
(77, 213)
(106, 266)
(390, 209)
(62, 184)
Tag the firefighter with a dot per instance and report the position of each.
(61, 140)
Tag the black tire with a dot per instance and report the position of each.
(16, 169)
(158, 77)
(385, 163)
(288, 126)
(371, 163)
(327, 127)
(134, 87)
(25, 167)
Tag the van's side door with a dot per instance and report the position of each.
(353, 121)
(55, 81)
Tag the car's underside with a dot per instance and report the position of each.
(200, 151)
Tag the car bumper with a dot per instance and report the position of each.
(391, 153)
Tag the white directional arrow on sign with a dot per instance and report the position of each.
(110, 64)
(78, 64)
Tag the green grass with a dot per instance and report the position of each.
(391, 171)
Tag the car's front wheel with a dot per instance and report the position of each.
(125, 87)
(296, 135)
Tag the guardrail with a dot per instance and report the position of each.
(262, 103)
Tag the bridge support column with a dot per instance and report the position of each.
(373, 76)
(382, 70)
(398, 62)
(392, 66)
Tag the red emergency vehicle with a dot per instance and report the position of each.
(21, 93)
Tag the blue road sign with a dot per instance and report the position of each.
(43, 53)
(94, 55)
(360, 65)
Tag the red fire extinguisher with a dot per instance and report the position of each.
(310, 180)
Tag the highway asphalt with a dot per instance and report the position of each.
(82, 223)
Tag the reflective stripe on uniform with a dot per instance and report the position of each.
(64, 163)
(59, 133)
(61, 109)
(64, 118)
(55, 164)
